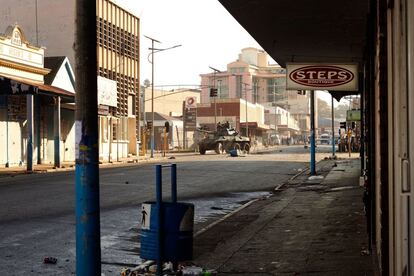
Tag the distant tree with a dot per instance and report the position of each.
(324, 109)
(340, 111)
(147, 83)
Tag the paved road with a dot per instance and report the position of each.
(43, 195)
(36, 211)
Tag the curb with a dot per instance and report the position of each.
(247, 204)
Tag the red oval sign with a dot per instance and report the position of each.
(321, 76)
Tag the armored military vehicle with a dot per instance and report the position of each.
(223, 140)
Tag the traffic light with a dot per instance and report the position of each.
(343, 125)
(353, 125)
(213, 92)
(149, 125)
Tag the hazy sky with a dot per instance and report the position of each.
(209, 36)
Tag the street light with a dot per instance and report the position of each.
(214, 87)
(153, 51)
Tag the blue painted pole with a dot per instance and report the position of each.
(158, 178)
(38, 127)
(88, 248)
(29, 151)
(56, 130)
(312, 132)
(174, 183)
(333, 126)
(7, 131)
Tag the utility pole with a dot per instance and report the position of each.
(88, 249)
(153, 51)
(247, 122)
(152, 96)
(214, 87)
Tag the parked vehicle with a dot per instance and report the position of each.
(325, 139)
(275, 139)
(223, 140)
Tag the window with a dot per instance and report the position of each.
(104, 129)
(120, 127)
(131, 105)
(276, 89)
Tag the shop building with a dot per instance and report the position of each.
(31, 111)
(118, 62)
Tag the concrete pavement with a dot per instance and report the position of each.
(308, 227)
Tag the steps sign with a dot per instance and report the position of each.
(322, 76)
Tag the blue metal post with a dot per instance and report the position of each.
(88, 250)
(7, 131)
(29, 152)
(312, 132)
(174, 183)
(333, 126)
(158, 171)
(38, 124)
(56, 130)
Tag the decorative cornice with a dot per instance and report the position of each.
(24, 67)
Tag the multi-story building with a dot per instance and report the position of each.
(252, 78)
(118, 61)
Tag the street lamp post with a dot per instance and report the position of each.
(274, 103)
(214, 87)
(153, 51)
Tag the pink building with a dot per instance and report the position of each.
(252, 77)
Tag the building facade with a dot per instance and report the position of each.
(31, 112)
(169, 102)
(118, 61)
(168, 107)
(252, 78)
(247, 118)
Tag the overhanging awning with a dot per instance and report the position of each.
(328, 31)
(16, 86)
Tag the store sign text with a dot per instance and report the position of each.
(321, 77)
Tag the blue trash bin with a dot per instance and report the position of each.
(177, 241)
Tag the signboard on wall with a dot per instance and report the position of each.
(107, 92)
(333, 77)
(353, 115)
(191, 102)
(189, 117)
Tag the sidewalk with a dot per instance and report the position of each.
(307, 227)
(70, 166)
